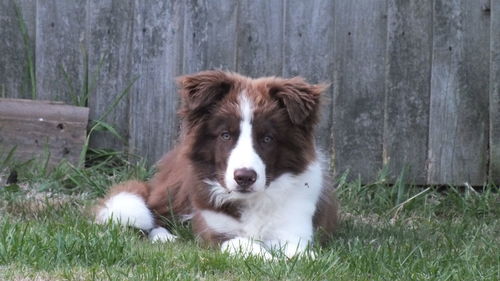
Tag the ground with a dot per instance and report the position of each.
(397, 232)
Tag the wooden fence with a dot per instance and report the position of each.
(416, 83)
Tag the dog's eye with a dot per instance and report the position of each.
(225, 136)
(267, 139)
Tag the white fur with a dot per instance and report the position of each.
(127, 209)
(280, 216)
(245, 247)
(243, 154)
(161, 234)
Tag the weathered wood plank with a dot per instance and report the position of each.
(260, 38)
(17, 51)
(494, 169)
(37, 127)
(157, 58)
(406, 126)
(359, 88)
(458, 130)
(308, 52)
(210, 33)
(60, 53)
(110, 57)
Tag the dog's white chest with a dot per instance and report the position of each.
(285, 209)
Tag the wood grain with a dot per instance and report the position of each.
(359, 88)
(15, 78)
(38, 127)
(494, 169)
(458, 130)
(60, 49)
(406, 126)
(210, 35)
(110, 60)
(308, 52)
(156, 59)
(260, 38)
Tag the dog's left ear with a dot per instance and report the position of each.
(300, 99)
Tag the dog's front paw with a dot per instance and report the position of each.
(290, 250)
(161, 234)
(245, 247)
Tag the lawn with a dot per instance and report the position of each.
(387, 232)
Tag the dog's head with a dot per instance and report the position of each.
(244, 133)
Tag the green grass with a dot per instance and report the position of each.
(387, 233)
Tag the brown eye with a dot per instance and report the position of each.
(225, 136)
(267, 139)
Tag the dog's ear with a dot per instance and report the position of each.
(299, 98)
(201, 91)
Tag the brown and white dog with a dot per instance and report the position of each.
(245, 171)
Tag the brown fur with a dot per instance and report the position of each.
(286, 108)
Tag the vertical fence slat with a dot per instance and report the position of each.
(494, 169)
(60, 55)
(15, 78)
(210, 35)
(110, 55)
(409, 49)
(260, 38)
(195, 36)
(458, 127)
(308, 52)
(359, 88)
(156, 59)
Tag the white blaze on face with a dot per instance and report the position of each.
(243, 154)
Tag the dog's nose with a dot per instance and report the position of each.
(245, 177)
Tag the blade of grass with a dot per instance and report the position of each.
(117, 100)
(100, 125)
(27, 49)
(84, 95)
(92, 83)
(72, 92)
(7, 160)
(400, 206)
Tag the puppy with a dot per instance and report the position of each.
(245, 170)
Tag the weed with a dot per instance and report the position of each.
(30, 58)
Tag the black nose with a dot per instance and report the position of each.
(245, 177)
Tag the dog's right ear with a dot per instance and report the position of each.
(201, 91)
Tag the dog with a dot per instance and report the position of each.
(245, 171)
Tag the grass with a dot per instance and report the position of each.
(28, 52)
(387, 233)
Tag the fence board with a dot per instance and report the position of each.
(15, 78)
(409, 49)
(458, 132)
(494, 169)
(157, 58)
(358, 105)
(260, 38)
(415, 83)
(308, 52)
(110, 54)
(210, 35)
(60, 39)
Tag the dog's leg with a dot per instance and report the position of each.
(245, 247)
(291, 247)
(293, 238)
(161, 234)
(125, 204)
